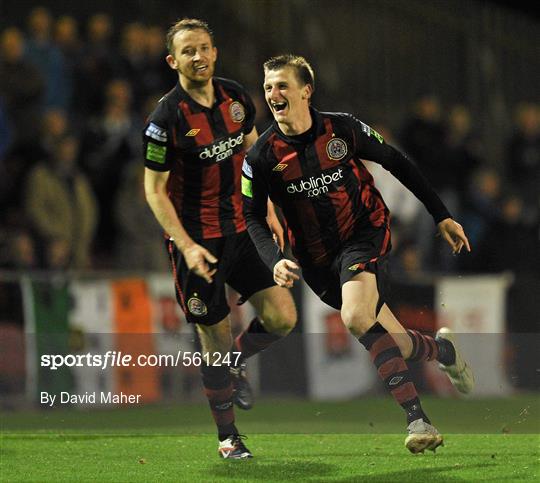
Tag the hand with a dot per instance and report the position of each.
(283, 274)
(453, 233)
(197, 258)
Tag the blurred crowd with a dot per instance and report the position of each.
(73, 99)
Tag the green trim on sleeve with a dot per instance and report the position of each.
(377, 135)
(247, 187)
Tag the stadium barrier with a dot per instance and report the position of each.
(71, 333)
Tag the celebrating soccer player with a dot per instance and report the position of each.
(194, 144)
(309, 163)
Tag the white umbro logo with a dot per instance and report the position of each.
(224, 406)
(395, 380)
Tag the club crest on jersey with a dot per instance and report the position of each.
(192, 132)
(237, 112)
(197, 307)
(336, 149)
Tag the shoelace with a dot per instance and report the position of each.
(237, 441)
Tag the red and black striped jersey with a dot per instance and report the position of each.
(325, 192)
(203, 150)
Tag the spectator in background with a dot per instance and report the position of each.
(53, 127)
(6, 133)
(482, 209)
(17, 250)
(407, 262)
(132, 61)
(61, 208)
(263, 118)
(97, 65)
(510, 234)
(21, 93)
(47, 57)
(111, 141)
(138, 245)
(422, 138)
(13, 172)
(523, 158)
(66, 36)
(463, 149)
(158, 77)
(21, 87)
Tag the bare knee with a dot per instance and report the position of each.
(281, 321)
(277, 311)
(358, 318)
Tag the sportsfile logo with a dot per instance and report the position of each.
(316, 185)
(222, 149)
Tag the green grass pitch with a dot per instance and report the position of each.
(361, 440)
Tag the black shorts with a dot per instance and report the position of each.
(238, 265)
(364, 252)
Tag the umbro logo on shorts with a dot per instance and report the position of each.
(192, 132)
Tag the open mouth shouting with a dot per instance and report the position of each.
(279, 107)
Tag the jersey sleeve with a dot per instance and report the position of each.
(370, 145)
(157, 141)
(255, 196)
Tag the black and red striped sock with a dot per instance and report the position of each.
(427, 348)
(393, 370)
(218, 389)
(424, 347)
(253, 340)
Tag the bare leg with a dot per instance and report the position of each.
(275, 306)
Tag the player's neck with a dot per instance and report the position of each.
(203, 94)
(298, 126)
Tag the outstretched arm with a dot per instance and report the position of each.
(370, 145)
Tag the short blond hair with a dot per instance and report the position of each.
(304, 71)
(187, 24)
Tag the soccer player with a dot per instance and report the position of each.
(309, 163)
(194, 144)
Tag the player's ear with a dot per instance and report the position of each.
(215, 53)
(172, 62)
(307, 91)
